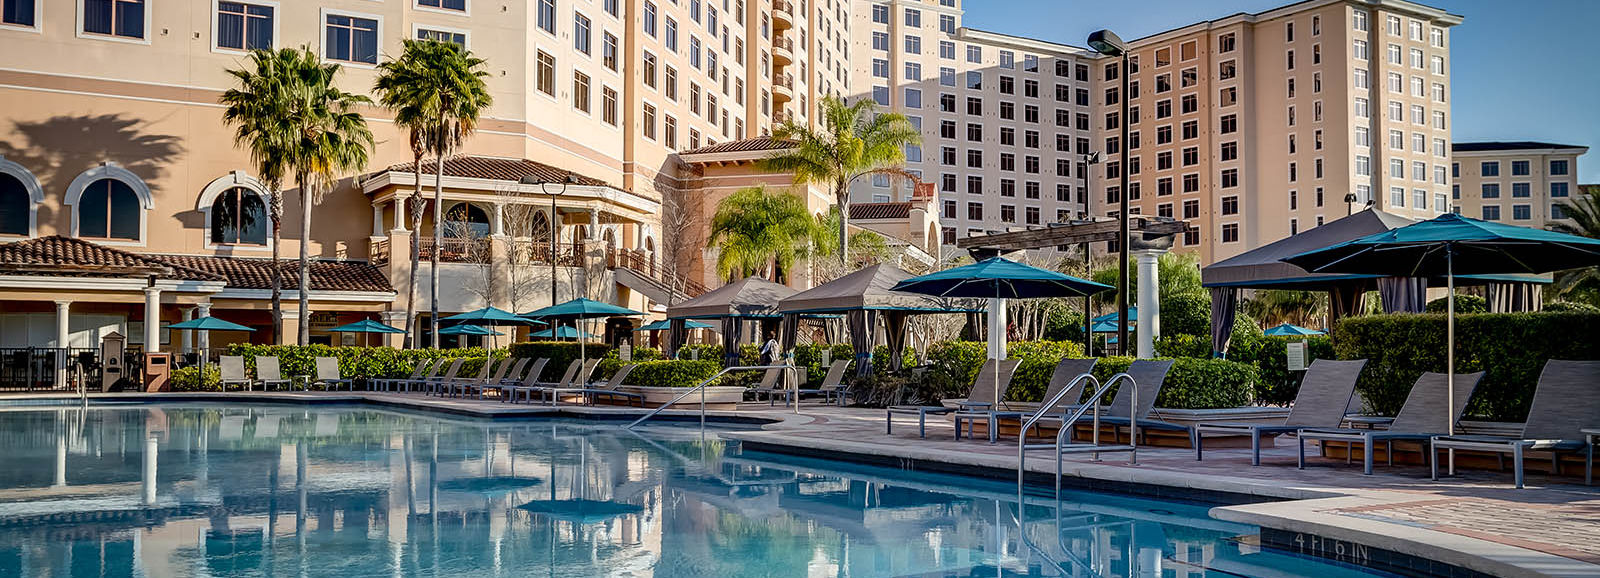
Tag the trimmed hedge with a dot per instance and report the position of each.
(673, 372)
(1270, 356)
(1511, 347)
(955, 364)
(189, 379)
(357, 362)
(1464, 304)
(560, 353)
(1193, 383)
(809, 356)
(611, 362)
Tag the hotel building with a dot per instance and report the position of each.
(1521, 183)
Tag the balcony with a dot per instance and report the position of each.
(782, 15)
(782, 51)
(782, 89)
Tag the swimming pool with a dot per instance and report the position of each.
(268, 490)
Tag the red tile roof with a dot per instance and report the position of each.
(57, 255)
(243, 273)
(500, 169)
(763, 143)
(871, 211)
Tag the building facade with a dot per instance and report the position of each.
(1521, 183)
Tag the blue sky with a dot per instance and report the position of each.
(1499, 91)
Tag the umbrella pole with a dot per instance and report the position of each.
(1450, 352)
(997, 338)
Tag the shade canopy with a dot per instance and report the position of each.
(748, 297)
(1000, 278)
(209, 324)
(580, 308)
(1291, 330)
(1106, 326)
(366, 326)
(1264, 267)
(1476, 248)
(664, 325)
(487, 316)
(565, 332)
(1133, 312)
(468, 330)
(871, 288)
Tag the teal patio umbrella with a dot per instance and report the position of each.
(208, 324)
(1133, 312)
(1451, 245)
(1105, 327)
(998, 278)
(565, 332)
(366, 326)
(577, 310)
(468, 330)
(665, 325)
(1291, 330)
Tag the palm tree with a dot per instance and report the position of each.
(758, 232)
(1584, 212)
(328, 140)
(855, 140)
(257, 111)
(437, 92)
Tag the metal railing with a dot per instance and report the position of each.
(47, 368)
(1063, 439)
(455, 250)
(640, 262)
(701, 387)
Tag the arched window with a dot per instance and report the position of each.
(239, 217)
(541, 227)
(466, 220)
(108, 209)
(16, 206)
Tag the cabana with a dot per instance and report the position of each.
(865, 297)
(747, 300)
(1263, 268)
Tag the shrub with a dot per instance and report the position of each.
(955, 364)
(354, 362)
(612, 361)
(1186, 314)
(1270, 356)
(1511, 347)
(1570, 307)
(190, 379)
(1192, 383)
(707, 351)
(809, 356)
(560, 353)
(673, 372)
(881, 361)
(1464, 304)
(1183, 345)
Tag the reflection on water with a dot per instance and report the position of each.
(199, 490)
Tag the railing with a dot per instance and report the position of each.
(642, 263)
(378, 252)
(701, 387)
(47, 368)
(455, 250)
(786, 81)
(1063, 439)
(783, 43)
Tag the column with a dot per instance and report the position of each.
(186, 337)
(204, 340)
(394, 319)
(997, 342)
(291, 323)
(1149, 301)
(63, 328)
(497, 221)
(152, 319)
(401, 214)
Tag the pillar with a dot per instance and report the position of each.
(186, 337)
(1149, 327)
(291, 323)
(148, 480)
(152, 319)
(203, 341)
(63, 328)
(394, 319)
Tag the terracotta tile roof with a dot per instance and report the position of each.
(500, 169)
(764, 143)
(242, 273)
(57, 255)
(871, 211)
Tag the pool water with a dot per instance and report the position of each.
(207, 490)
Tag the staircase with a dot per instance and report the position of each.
(636, 270)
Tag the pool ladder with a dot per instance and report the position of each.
(1063, 443)
(701, 387)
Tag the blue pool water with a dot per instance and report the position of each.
(206, 490)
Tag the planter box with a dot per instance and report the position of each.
(721, 397)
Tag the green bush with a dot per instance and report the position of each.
(1570, 307)
(611, 362)
(954, 366)
(1270, 356)
(1464, 304)
(1511, 347)
(673, 372)
(707, 351)
(560, 353)
(1186, 314)
(354, 362)
(1184, 345)
(1193, 383)
(189, 379)
(881, 361)
(809, 356)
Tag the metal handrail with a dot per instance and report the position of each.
(1094, 435)
(701, 387)
(1022, 437)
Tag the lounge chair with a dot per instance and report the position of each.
(578, 381)
(232, 367)
(417, 372)
(771, 386)
(1321, 402)
(512, 376)
(509, 388)
(439, 381)
(439, 365)
(451, 386)
(833, 387)
(1418, 420)
(1065, 374)
(532, 384)
(328, 374)
(494, 379)
(1150, 375)
(1567, 400)
(609, 389)
(981, 396)
(268, 373)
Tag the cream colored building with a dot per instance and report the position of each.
(1521, 183)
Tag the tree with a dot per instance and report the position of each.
(855, 140)
(1584, 212)
(679, 220)
(256, 109)
(866, 248)
(437, 92)
(328, 139)
(758, 232)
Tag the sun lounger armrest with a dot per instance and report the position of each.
(971, 405)
(1368, 421)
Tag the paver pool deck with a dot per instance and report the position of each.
(1475, 520)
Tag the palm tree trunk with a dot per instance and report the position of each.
(276, 209)
(415, 212)
(841, 195)
(438, 241)
(305, 261)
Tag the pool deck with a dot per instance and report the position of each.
(1475, 521)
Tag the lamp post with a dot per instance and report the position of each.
(1090, 160)
(554, 227)
(1108, 43)
(1350, 204)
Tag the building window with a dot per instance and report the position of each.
(457, 5)
(121, 18)
(457, 38)
(1521, 190)
(546, 77)
(352, 39)
(547, 15)
(18, 12)
(1558, 168)
(239, 217)
(1558, 211)
(108, 209)
(1230, 205)
(466, 221)
(608, 105)
(241, 26)
(1489, 168)
(1230, 233)
(1490, 190)
(580, 91)
(1558, 190)
(1491, 212)
(16, 205)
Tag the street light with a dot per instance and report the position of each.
(1108, 43)
(554, 224)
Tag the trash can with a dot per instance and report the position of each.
(157, 368)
